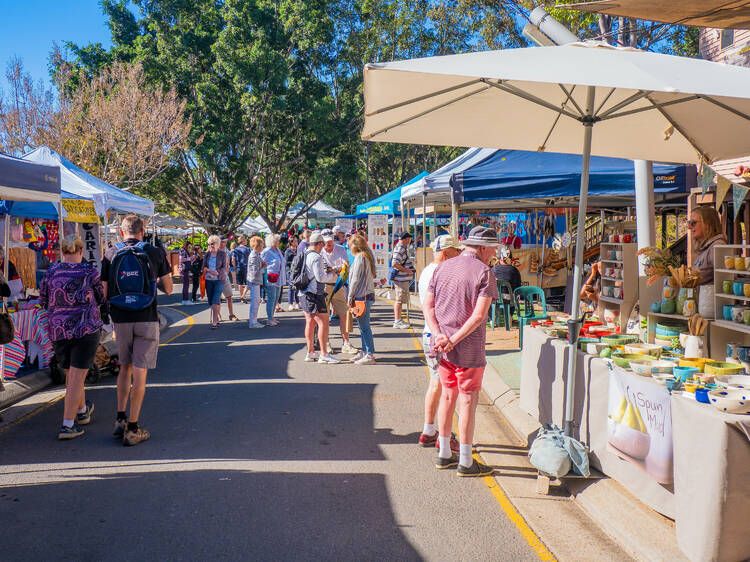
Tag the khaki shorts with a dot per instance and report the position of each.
(137, 343)
(340, 307)
(227, 291)
(401, 291)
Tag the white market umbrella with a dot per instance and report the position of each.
(579, 98)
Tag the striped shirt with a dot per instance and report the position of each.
(457, 285)
(401, 257)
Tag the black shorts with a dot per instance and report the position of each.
(241, 274)
(313, 303)
(78, 353)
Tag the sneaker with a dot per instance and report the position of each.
(476, 469)
(310, 357)
(455, 446)
(357, 357)
(428, 440)
(366, 360)
(135, 437)
(70, 432)
(451, 462)
(349, 348)
(401, 325)
(258, 325)
(272, 322)
(85, 417)
(328, 359)
(120, 427)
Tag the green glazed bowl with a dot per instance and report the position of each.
(623, 359)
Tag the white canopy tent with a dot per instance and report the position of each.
(319, 211)
(641, 105)
(82, 184)
(253, 225)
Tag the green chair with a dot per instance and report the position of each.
(503, 288)
(525, 298)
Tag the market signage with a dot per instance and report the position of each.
(91, 249)
(377, 237)
(639, 424)
(347, 225)
(79, 210)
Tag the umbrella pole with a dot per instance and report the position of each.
(570, 383)
(424, 230)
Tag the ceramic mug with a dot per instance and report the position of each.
(727, 312)
(746, 317)
(618, 293)
(726, 287)
(612, 239)
(729, 262)
(617, 238)
(627, 238)
(737, 313)
(740, 263)
(738, 288)
(746, 289)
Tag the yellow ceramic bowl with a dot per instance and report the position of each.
(724, 369)
(698, 362)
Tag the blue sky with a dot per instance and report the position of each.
(31, 27)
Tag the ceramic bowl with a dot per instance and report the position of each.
(641, 367)
(643, 348)
(737, 381)
(595, 348)
(669, 329)
(701, 395)
(583, 341)
(723, 369)
(623, 359)
(663, 342)
(662, 378)
(730, 400)
(698, 362)
(619, 339)
(685, 373)
(662, 367)
(726, 287)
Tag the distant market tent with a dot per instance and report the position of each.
(319, 211)
(388, 203)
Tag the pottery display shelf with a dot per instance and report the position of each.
(724, 331)
(628, 282)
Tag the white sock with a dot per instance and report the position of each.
(464, 455)
(445, 447)
(67, 423)
(429, 429)
(82, 410)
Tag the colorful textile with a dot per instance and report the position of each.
(72, 293)
(33, 325)
(13, 355)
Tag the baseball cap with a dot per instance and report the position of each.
(327, 237)
(326, 232)
(404, 235)
(337, 229)
(445, 241)
(316, 237)
(482, 236)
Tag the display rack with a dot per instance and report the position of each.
(627, 281)
(724, 331)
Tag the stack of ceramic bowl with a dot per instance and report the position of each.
(666, 334)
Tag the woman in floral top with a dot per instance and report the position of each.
(72, 293)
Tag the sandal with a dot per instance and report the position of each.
(233, 317)
(214, 326)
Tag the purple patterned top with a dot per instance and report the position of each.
(72, 293)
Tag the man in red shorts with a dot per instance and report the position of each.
(456, 306)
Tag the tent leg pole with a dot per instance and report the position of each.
(60, 230)
(424, 230)
(570, 383)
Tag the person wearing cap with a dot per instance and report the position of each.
(444, 247)
(458, 299)
(334, 260)
(312, 301)
(338, 235)
(404, 267)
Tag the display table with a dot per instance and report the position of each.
(710, 497)
(31, 326)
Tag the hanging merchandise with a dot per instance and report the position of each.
(566, 239)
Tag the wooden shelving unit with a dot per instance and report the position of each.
(724, 331)
(628, 281)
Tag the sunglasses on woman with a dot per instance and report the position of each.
(692, 223)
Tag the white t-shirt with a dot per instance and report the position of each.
(337, 256)
(423, 286)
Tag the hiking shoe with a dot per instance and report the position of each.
(255, 326)
(366, 360)
(451, 462)
(476, 469)
(428, 440)
(85, 417)
(455, 446)
(310, 357)
(349, 348)
(328, 359)
(120, 427)
(135, 437)
(70, 432)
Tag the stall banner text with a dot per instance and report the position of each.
(79, 210)
(91, 249)
(347, 225)
(377, 237)
(639, 424)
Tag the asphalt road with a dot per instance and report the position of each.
(254, 455)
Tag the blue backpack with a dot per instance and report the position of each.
(131, 278)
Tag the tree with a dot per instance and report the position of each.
(111, 125)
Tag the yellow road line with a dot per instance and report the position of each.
(40, 409)
(506, 505)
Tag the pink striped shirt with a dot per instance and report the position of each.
(457, 285)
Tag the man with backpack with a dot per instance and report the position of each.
(131, 272)
(401, 274)
(309, 277)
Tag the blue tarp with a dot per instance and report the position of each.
(32, 209)
(387, 203)
(518, 174)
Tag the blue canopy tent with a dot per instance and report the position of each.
(388, 203)
(521, 178)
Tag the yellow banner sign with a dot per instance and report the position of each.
(79, 210)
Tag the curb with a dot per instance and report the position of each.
(15, 390)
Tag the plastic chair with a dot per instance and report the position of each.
(503, 288)
(525, 298)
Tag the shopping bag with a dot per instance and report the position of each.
(554, 453)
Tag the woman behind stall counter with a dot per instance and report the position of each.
(705, 226)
